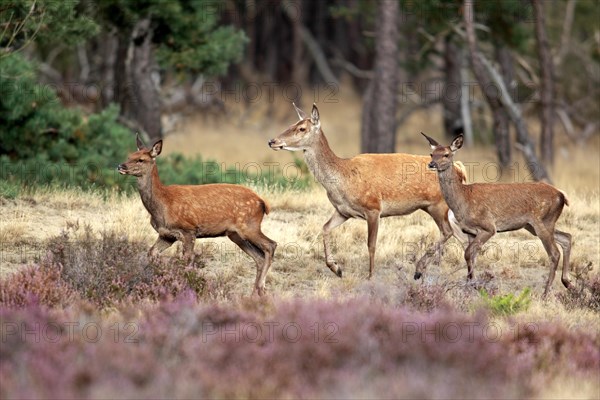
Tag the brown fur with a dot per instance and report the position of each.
(368, 186)
(187, 212)
(482, 209)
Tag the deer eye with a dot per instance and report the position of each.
(446, 155)
(302, 129)
(430, 154)
(140, 161)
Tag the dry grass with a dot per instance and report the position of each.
(510, 262)
(516, 260)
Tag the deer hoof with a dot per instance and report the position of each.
(417, 276)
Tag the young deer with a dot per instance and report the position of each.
(482, 209)
(368, 186)
(187, 212)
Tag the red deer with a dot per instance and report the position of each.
(482, 209)
(367, 186)
(187, 212)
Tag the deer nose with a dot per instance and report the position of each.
(271, 141)
(432, 165)
(122, 167)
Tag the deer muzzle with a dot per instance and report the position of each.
(432, 165)
(122, 168)
(276, 144)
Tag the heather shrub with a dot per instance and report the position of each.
(507, 304)
(105, 271)
(426, 297)
(293, 349)
(36, 284)
(112, 269)
(585, 292)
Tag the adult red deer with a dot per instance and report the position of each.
(482, 209)
(367, 186)
(187, 212)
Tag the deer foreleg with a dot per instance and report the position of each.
(160, 245)
(474, 247)
(336, 220)
(373, 227)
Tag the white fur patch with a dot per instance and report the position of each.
(458, 233)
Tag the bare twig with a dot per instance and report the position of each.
(133, 126)
(408, 111)
(351, 68)
(565, 37)
(313, 47)
(83, 63)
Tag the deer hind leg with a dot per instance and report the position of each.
(161, 244)
(564, 240)
(474, 247)
(439, 215)
(547, 238)
(252, 251)
(263, 249)
(336, 220)
(372, 227)
(268, 246)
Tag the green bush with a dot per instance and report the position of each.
(507, 304)
(45, 144)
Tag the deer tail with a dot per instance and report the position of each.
(266, 207)
(564, 195)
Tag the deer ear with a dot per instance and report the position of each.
(156, 149)
(314, 116)
(431, 141)
(301, 114)
(138, 141)
(456, 143)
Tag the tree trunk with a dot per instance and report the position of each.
(453, 123)
(502, 137)
(465, 101)
(299, 64)
(145, 93)
(107, 46)
(547, 87)
(121, 82)
(379, 109)
(497, 96)
(501, 119)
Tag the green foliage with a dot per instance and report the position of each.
(507, 304)
(44, 143)
(177, 169)
(510, 22)
(186, 34)
(45, 21)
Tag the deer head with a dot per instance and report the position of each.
(442, 156)
(140, 162)
(300, 136)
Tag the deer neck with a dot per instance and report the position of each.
(150, 188)
(453, 191)
(323, 163)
